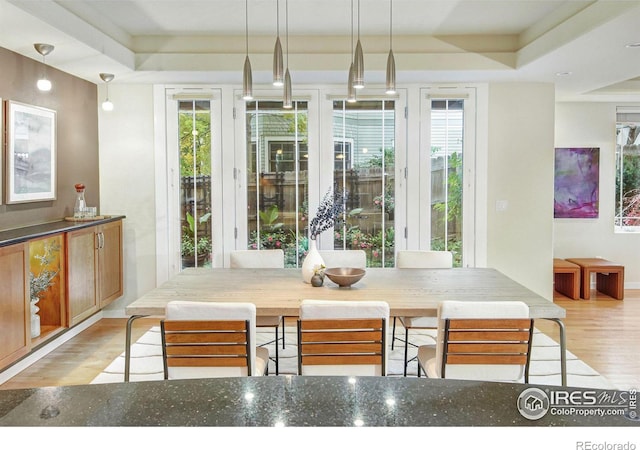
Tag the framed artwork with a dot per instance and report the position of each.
(30, 154)
(576, 183)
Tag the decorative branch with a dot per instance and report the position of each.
(46, 277)
(330, 208)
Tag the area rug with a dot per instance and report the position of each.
(146, 360)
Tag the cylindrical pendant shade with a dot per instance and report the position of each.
(358, 67)
(247, 80)
(278, 64)
(391, 73)
(287, 102)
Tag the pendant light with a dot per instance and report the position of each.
(247, 80)
(358, 60)
(277, 51)
(287, 102)
(351, 91)
(391, 61)
(43, 83)
(107, 105)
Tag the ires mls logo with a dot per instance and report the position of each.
(534, 403)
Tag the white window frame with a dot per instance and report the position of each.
(469, 161)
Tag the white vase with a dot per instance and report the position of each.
(311, 262)
(35, 318)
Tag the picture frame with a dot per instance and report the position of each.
(576, 183)
(30, 153)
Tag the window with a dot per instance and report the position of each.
(282, 156)
(194, 128)
(447, 126)
(277, 162)
(364, 168)
(627, 209)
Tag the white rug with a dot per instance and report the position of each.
(146, 360)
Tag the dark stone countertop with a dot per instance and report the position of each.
(17, 235)
(291, 401)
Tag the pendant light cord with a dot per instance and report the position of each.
(278, 18)
(286, 16)
(246, 25)
(390, 24)
(351, 30)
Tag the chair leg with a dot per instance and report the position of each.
(283, 331)
(406, 349)
(276, 347)
(393, 333)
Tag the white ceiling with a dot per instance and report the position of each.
(434, 41)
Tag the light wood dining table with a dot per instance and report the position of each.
(409, 292)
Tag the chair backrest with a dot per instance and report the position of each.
(209, 339)
(257, 259)
(344, 258)
(484, 340)
(342, 337)
(424, 259)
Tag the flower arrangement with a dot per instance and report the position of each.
(46, 278)
(329, 210)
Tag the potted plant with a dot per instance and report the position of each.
(194, 250)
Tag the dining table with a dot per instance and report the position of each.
(409, 293)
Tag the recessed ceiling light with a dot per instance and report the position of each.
(563, 74)
(633, 45)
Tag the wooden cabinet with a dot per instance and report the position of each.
(110, 274)
(80, 266)
(14, 303)
(94, 268)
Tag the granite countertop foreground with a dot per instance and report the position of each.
(296, 401)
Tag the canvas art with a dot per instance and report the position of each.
(31, 153)
(576, 183)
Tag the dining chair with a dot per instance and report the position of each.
(342, 338)
(418, 259)
(263, 259)
(211, 339)
(344, 258)
(489, 341)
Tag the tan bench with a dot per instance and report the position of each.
(609, 277)
(566, 278)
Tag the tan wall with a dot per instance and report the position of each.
(75, 103)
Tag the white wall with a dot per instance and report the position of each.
(520, 174)
(593, 125)
(127, 184)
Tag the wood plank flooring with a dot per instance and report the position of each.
(603, 332)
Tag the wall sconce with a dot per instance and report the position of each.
(43, 83)
(107, 105)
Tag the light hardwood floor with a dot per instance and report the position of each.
(603, 332)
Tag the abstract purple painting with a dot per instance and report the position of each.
(576, 183)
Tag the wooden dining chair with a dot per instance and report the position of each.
(488, 341)
(208, 340)
(344, 258)
(418, 259)
(263, 259)
(342, 338)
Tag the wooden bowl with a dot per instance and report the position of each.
(344, 276)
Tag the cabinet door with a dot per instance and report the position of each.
(14, 304)
(82, 275)
(110, 262)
